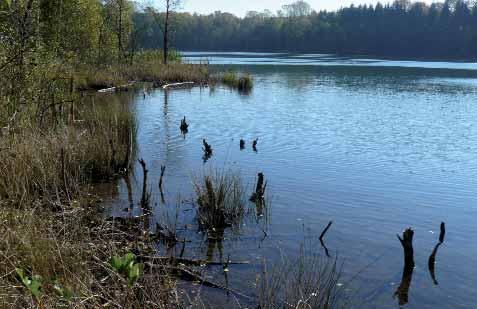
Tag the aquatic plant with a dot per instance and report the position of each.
(245, 83)
(242, 83)
(306, 281)
(221, 200)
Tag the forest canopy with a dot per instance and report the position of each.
(402, 28)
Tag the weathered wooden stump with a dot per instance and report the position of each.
(259, 193)
(402, 291)
(254, 144)
(242, 144)
(184, 125)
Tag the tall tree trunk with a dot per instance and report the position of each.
(166, 32)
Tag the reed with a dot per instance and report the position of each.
(306, 281)
(243, 84)
(221, 200)
(53, 163)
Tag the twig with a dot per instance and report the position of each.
(326, 230)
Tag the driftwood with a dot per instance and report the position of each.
(259, 193)
(184, 261)
(402, 291)
(145, 197)
(323, 235)
(443, 232)
(178, 85)
(432, 258)
(189, 275)
(254, 145)
(118, 88)
(325, 230)
(163, 170)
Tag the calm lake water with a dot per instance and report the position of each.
(373, 145)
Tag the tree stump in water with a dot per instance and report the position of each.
(403, 290)
(145, 197)
(259, 193)
(254, 144)
(184, 125)
(207, 150)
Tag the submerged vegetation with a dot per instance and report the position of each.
(243, 83)
(305, 281)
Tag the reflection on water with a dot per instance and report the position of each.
(373, 148)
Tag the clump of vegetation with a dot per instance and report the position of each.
(56, 259)
(306, 281)
(128, 267)
(52, 163)
(242, 83)
(221, 201)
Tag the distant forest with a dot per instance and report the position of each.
(403, 28)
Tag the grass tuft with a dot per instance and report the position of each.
(243, 84)
(221, 200)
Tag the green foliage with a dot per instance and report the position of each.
(127, 267)
(401, 28)
(33, 283)
(62, 291)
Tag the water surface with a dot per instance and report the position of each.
(373, 145)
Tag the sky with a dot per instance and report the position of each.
(240, 7)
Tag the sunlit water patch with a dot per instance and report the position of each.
(373, 148)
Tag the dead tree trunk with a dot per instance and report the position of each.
(145, 195)
(259, 193)
(163, 170)
(402, 291)
(166, 31)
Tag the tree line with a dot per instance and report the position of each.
(401, 28)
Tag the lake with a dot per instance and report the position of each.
(375, 146)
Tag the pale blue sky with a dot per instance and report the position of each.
(240, 7)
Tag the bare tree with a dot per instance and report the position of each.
(170, 6)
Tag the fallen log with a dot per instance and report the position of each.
(178, 85)
(118, 88)
(189, 275)
(185, 261)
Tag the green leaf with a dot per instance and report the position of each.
(134, 273)
(63, 292)
(32, 284)
(129, 258)
(35, 287)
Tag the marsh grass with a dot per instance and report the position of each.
(243, 83)
(52, 163)
(71, 250)
(142, 71)
(221, 200)
(306, 281)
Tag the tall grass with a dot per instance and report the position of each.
(242, 83)
(221, 200)
(53, 162)
(306, 281)
(146, 67)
